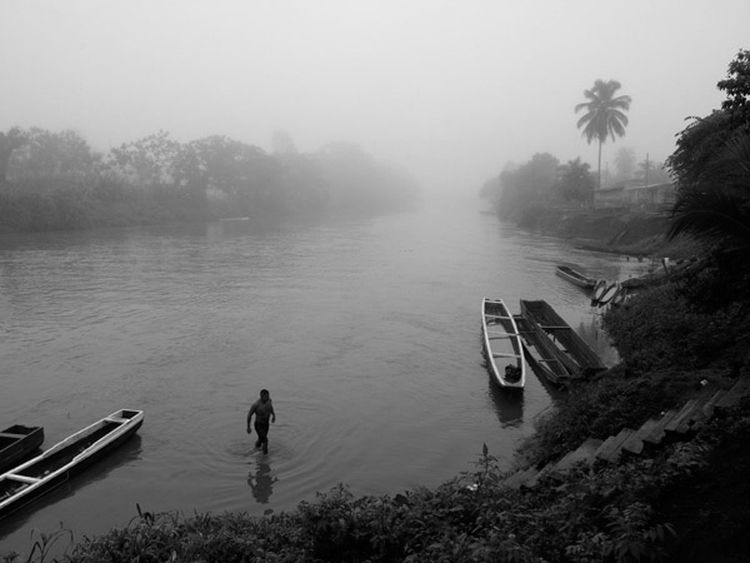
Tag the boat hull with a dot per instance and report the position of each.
(17, 444)
(560, 340)
(501, 340)
(37, 477)
(575, 277)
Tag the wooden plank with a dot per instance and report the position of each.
(22, 478)
(634, 444)
(733, 396)
(610, 450)
(679, 423)
(657, 434)
(584, 453)
(520, 477)
(502, 355)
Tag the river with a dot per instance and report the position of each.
(365, 331)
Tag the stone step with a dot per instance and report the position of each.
(681, 422)
(656, 435)
(634, 444)
(611, 448)
(516, 480)
(733, 396)
(710, 405)
(584, 453)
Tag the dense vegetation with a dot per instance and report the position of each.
(54, 180)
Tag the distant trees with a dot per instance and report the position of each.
(53, 180)
(528, 186)
(625, 167)
(652, 172)
(41, 155)
(9, 142)
(604, 115)
(575, 182)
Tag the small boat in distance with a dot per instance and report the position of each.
(39, 475)
(575, 277)
(599, 288)
(18, 443)
(608, 294)
(502, 342)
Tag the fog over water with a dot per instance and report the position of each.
(450, 90)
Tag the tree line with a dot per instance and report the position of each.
(55, 180)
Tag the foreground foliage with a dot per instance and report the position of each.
(618, 513)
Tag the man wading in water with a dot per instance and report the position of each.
(262, 409)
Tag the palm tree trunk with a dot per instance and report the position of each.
(599, 168)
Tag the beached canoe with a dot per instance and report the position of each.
(502, 344)
(608, 294)
(575, 277)
(18, 443)
(39, 475)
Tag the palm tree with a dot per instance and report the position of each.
(605, 115)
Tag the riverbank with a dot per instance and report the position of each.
(620, 231)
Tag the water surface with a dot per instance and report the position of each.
(366, 333)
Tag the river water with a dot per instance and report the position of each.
(365, 331)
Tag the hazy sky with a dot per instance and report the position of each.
(451, 90)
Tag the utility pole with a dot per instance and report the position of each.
(645, 179)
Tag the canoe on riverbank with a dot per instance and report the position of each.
(502, 342)
(54, 467)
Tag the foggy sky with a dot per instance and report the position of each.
(451, 90)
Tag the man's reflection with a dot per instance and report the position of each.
(262, 483)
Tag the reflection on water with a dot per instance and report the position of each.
(261, 482)
(508, 404)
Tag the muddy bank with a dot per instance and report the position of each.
(620, 231)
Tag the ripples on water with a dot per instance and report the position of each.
(366, 332)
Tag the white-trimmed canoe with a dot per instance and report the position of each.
(502, 344)
(39, 475)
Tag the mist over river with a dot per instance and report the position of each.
(365, 331)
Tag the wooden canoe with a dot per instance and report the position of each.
(502, 344)
(18, 443)
(30, 480)
(575, 277)
(599, 288)
(609, 293)
(566, 345)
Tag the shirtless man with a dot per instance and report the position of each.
(263, 410)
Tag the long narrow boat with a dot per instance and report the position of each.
(569, 348)
(575, 277)
(54, 467)
(541, 353)
(502, 342)
(18, 443)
